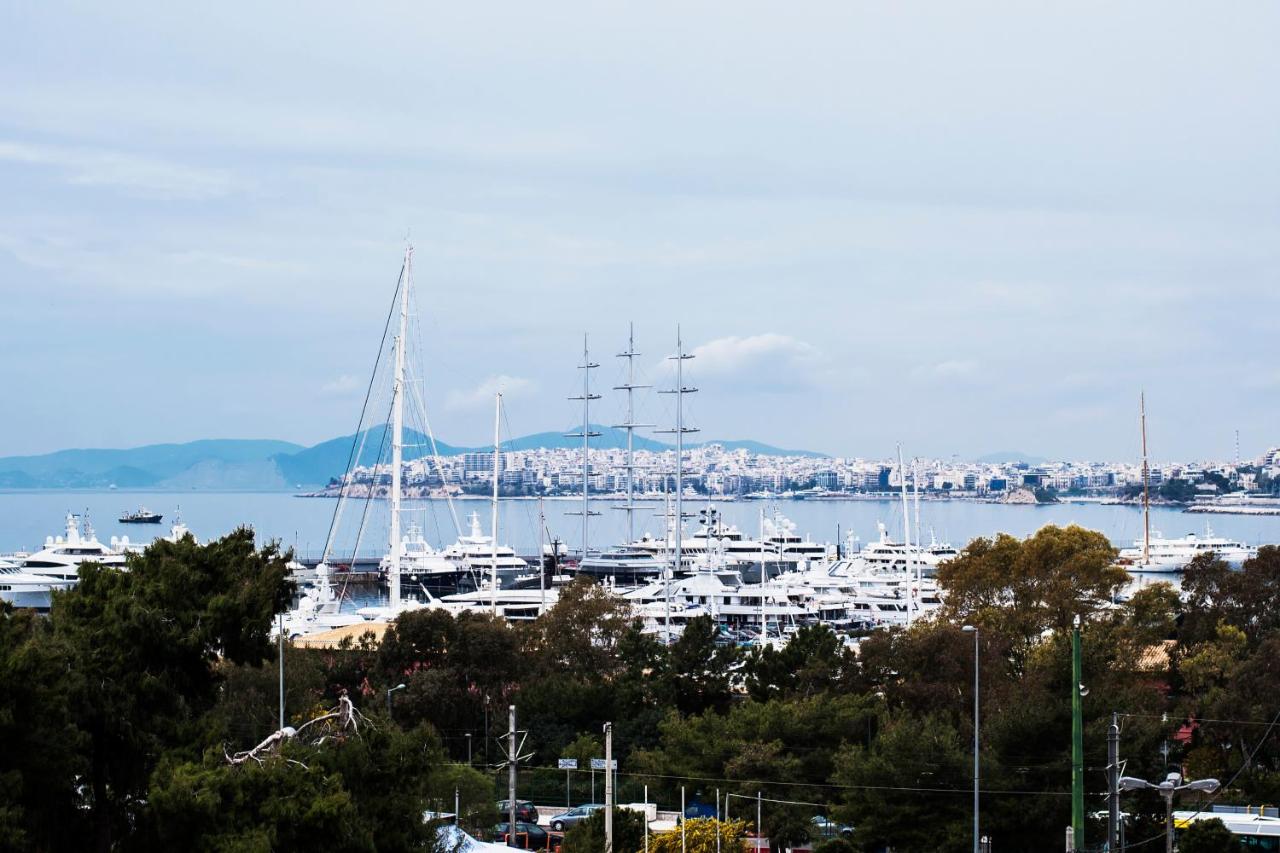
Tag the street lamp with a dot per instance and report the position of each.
(972, 629)
(468, 749)
(389, 692)
(1171, 785)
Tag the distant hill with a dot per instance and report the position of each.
(154, 465)
(265, 464)
(1006, 456)
(329, 458)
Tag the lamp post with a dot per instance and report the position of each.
(389, 692)
(468, 749)
(972, 629)
(1171, 785)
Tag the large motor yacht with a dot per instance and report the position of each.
(61, 556)
(625, 566)
(424, 571)
(1172, 555)
(25, 589)
(477, 556)
(887, 555)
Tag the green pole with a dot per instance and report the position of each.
(1077, 742)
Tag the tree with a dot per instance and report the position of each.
(696, 671)
(1208, 836)
(1021, 588)
(813, 661)
(700, 837)
(580, 634)
(143, 647)
(41, 755)
(588, 836)
(906, 790)
(356, 792)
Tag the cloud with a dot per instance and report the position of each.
(950, 369)
(482, 395)
(138, 175)
(766, 362)
(340, 386)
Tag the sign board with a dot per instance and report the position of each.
(568, 764)
(598, 764)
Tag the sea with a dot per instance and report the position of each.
(304, 523)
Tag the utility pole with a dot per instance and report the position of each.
(511, 777)
(1113, 783)
(683, 848)
(608, 788)
(1077, 741)
(280, 639)
(759, 823)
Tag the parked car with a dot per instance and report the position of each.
(574, 816)
(535, 837)
(525, 811)
(825, 828)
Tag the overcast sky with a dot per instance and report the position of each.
(964, 226)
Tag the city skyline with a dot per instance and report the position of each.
(967, 231)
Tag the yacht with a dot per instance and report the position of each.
(61, 556)
(1172, 555)
(141, 516)
(25, 589)
(625, 566)
(780, 532)
(424, 571)
(888, 555)
(477, 558)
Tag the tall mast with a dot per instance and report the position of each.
(497, 460)
(397, 432)
(586, 435)
(906, 532)
(680, 390)
(630, 426)
(915, 489)
(542, 560)
(1146, 483)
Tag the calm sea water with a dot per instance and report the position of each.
(27, 517)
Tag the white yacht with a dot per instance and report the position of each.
(1172, 555)
(780, 532)
(25, 589)
(475, 555)
(424, 571)
(887, 555)
(61, 556)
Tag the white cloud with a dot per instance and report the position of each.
(138, 175)
(766, 362)
(340, 386)
(950, 369)
(482, 395)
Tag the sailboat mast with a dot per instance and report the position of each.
(906, 532)
(680, 390)
(1146, 483)
(497, 461)
(542, 560)
(397, 432)
(630, 426)
(915, 488)
(586, 435)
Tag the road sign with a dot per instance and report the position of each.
(568, 764)
(598, 764)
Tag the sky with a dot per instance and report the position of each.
(965, 227)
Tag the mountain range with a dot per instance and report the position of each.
(249, 464)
